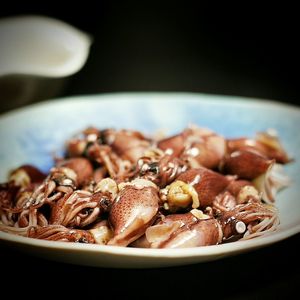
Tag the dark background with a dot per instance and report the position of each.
(246, 51)
(251, 52)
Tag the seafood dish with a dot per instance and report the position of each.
(119, 187)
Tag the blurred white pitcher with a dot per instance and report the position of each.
(36, 52)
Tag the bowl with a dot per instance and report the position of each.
(37, 55)
(34, 133)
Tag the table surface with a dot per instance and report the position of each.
(180, 51)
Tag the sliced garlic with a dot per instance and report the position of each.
(107, 185)
(181, 195)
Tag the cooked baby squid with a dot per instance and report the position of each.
(134, 209)
(192, 229)
(266, 143)
(118, 187)
(199, 146)
(207, 184)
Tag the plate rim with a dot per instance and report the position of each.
(216, 98)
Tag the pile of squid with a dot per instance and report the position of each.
(121, 188)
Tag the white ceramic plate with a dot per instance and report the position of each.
(31, 134)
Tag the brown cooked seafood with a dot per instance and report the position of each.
(121, 188)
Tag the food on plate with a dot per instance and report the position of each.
(121, 188)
